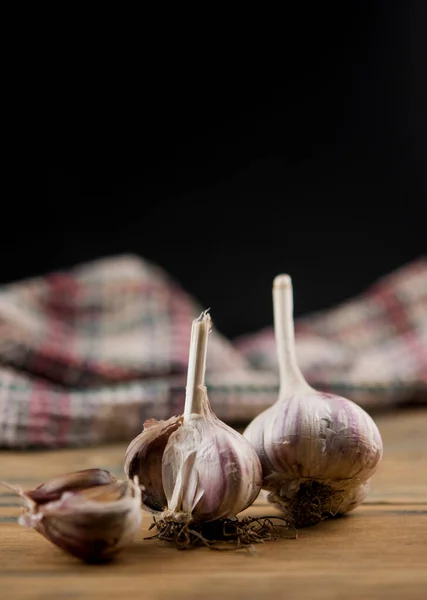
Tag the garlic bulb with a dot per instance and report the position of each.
(318, 451)
(88, 514)
(194, 467)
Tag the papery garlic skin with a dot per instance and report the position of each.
(318, 451)
(144, 459)
(195, 467)
(92, 523)
(76, 480)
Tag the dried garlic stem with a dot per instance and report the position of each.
(197, 366)
(291, 377)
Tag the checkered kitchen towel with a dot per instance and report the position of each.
(87, 355)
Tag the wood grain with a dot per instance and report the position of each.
(379, 551)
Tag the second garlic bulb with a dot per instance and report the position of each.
(318, 451)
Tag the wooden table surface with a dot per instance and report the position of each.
(379, 551)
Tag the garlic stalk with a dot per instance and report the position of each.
(318, 451)
(194, 467)
(88, 514)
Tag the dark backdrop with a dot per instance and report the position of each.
(307, 156)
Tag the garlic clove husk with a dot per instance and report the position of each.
(92, 523)
(318, 451)
(194, 467)
(77, 480)
(144, 459)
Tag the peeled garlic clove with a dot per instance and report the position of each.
(92, 523)
(144, 459)
(317, 450)
(208, 471)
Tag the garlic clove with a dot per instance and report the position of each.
(318, 451)
(93, 523)
(144, 459)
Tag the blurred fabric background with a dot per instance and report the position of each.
(205, 162)
(86, 356)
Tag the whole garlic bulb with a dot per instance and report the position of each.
(88, 513)
(194, 467)
(318, 451)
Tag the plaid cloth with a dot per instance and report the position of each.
(87, 355)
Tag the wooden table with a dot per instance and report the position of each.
(379, 551)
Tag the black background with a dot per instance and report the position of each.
(306, 155)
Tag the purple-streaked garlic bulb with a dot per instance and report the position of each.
(88, 513)
(194, 467)
(318, 451)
